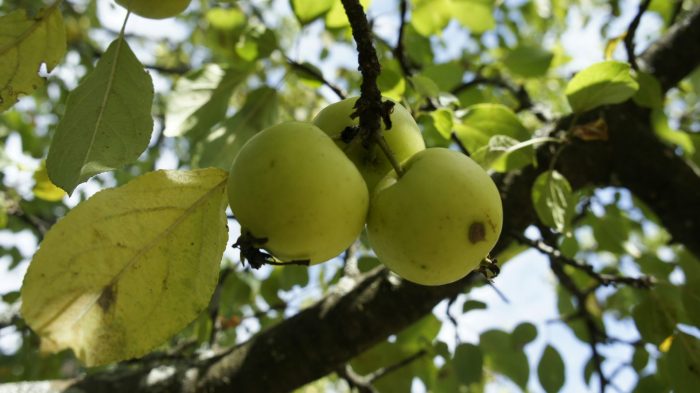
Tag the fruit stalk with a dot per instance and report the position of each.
(369, 106)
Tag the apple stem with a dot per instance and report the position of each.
(379, 139)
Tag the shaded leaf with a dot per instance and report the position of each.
(468, 363)
(551, 371)
(504, 357)
(684, 363)
(473, 305)
(658, 313)
(200, 99)
(528, 61)
(523, 334)
(26, 43)
(650, 93)
(130, 267)
(220, 147)
(691, 301)
(107, 123)
(604, 83)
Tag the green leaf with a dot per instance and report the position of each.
(504, 154)
(640, 359)
(336, 17)
(666, 133)
(523, 334)
(473, 305)
(684, 363)
(408, 342)
(366, 263)
(475, 15)
(658, 313)
(130, 267)
(442, 120)
(608, 82)
(552, 198)
(200, 99)
(649, 94)
(528, 61)
(482, 121)
(468, 362)
(446, 76)
(107, 123)
(307, 11)
(26, 43)
(219, 148)
(551, 371)
(691, 300)
(429, 17)
(650, 384)
(425, 86)
(504, 357)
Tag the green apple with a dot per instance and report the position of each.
(292, 185)
(155, 9)
(438, 221)
(404, 138)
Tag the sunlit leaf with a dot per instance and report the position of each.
(552, 198)
(475, 15)
(26, 43)
(604, 83)
(107, 123)
(43, 188)
(130, 267)
(307, 11)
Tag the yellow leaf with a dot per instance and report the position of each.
(666, 344)
(44, 188)
(130, 267)
(26, 43)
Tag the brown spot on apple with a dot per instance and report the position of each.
(477, 232)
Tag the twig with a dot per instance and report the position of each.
(369, 106)
(631, 31)
(643, 282)
(459, 144)
(596, 336)
(399, 51)
(402, 363)
(356, 381)
(318, 76)
(215, 303)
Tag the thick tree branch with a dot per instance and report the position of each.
(675, 55)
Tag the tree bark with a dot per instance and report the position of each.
(323, 337)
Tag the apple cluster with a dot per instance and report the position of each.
(308, 193)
